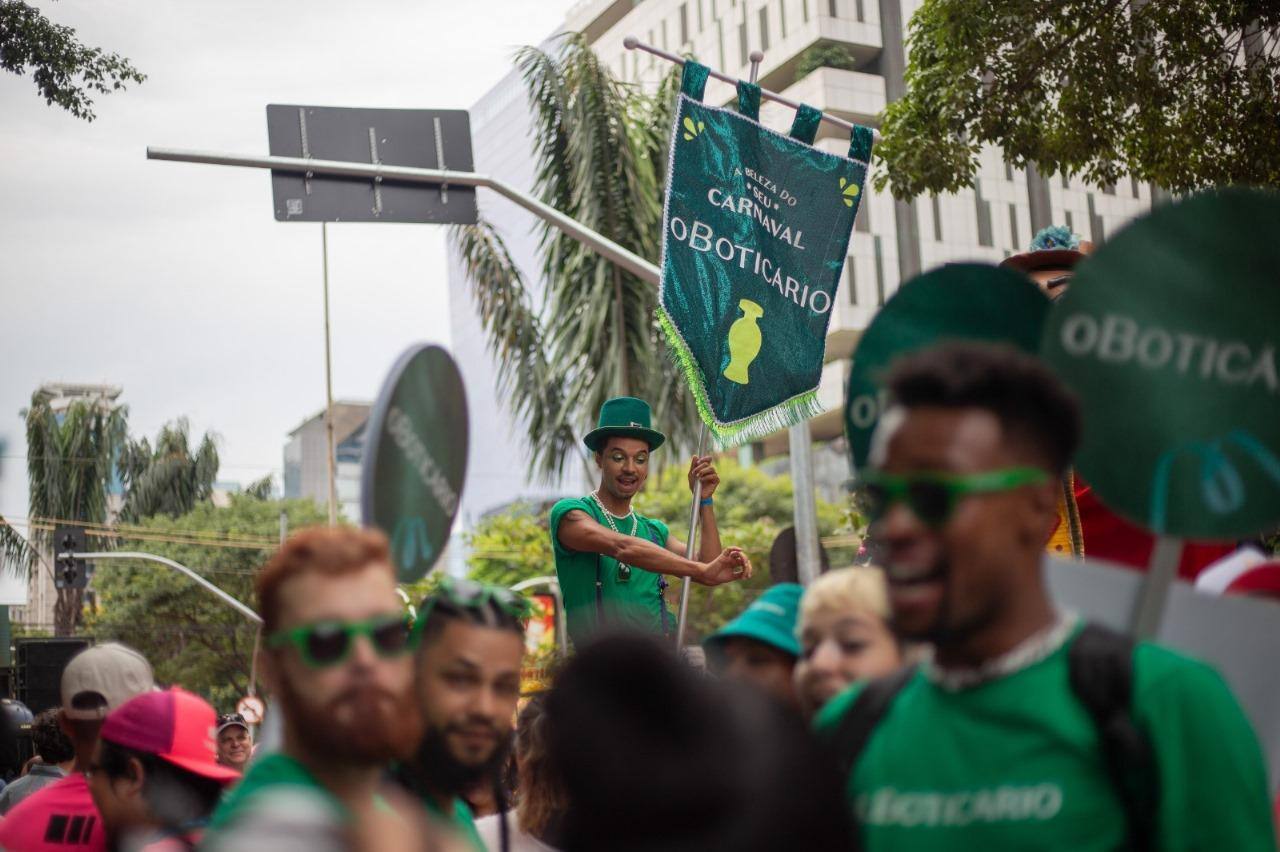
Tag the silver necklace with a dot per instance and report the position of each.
(1032, 650)
(624, 570)
(611, 518)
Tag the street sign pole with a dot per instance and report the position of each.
(177, 566)
(805, 503)
(328, 381)
(628, 260)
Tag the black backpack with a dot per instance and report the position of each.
(1100, 666)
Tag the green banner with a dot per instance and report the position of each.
(415, 458)
(756, 228)
(1169, 334)
(964, 301)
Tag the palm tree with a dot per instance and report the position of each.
(601, 147)
(169, 479)
(70, 459)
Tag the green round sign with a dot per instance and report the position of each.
(1168, 334)
(965, 301)
(416, 458)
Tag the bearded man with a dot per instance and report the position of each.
(611, 562)
(337, 658)
(470, 645)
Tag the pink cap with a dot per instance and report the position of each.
(174, 725)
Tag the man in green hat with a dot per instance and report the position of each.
(612, 562)
(760, 647)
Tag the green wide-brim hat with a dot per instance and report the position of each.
(624, 417)
(771, 620)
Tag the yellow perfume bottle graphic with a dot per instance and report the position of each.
(744, 342)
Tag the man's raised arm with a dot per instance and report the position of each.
(579, 532)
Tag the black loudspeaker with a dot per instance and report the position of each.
(37, 669)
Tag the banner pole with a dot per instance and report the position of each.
(1153, 594)
(694, 516)
(633, 43)
(756, 58)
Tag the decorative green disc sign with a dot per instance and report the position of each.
(1169, 335)
(966, 301)
(416, 458)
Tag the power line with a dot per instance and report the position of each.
(94, 460)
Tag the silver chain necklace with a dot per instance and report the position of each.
(1031, 651)
(611, 518)
(624, 570)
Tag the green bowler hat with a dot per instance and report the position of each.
(624, 417)
(771, 620)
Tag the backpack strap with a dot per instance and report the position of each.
(851, 737)
(662, 585)
(1100, 666)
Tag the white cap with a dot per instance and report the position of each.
(100, 679)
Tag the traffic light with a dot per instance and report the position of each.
(69, 572)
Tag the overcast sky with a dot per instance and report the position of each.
(173, 280)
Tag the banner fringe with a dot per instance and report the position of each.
(726, 435)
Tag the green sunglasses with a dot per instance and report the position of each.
(328, 643)
(932, 497)
(471, 594)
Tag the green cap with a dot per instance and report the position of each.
(771, 620)
(627, 417)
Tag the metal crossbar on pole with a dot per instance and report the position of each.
(177, 566)
(633, 43)
(628, 260)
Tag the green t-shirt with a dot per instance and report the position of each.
(460, 820)
(1015, 763)
(275, 770)
(636, 602)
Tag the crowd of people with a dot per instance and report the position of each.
(940, 701)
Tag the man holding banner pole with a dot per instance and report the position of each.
(611, 561)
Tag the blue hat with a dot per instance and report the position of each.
(771, 620)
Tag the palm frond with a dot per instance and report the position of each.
(516, 341)
(601, 151)
(17, 556)
(170, 478)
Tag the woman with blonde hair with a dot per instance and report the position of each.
(844, 635)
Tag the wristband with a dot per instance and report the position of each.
(706, 501)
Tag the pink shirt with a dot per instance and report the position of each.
(57, 818)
